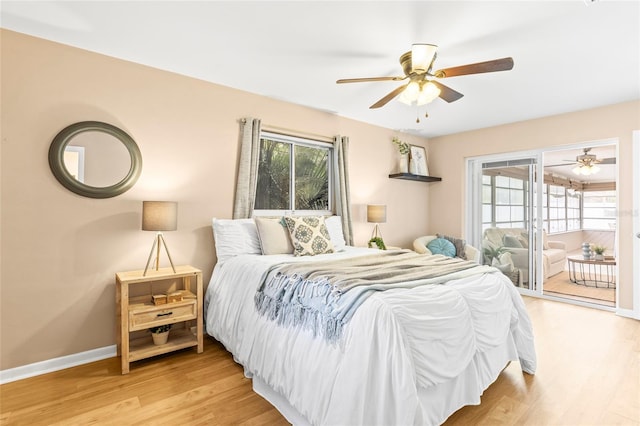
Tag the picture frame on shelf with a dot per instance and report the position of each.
(418, 162)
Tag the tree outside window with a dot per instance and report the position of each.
(293, 174)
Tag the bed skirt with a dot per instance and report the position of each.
(437, 402)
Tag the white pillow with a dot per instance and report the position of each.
(234, 237)
(334, 226)
(274, 236)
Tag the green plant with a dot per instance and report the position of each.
(599, 249)
(160, 328)
(403, 147)
(378, 242)
(491, 253)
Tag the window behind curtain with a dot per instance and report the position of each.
(294, 174)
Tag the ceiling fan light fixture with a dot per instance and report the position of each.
(419, 93)
(428, 93)
(410, 94)
(586, 169)
(422, 56)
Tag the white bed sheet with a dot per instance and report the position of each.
(399, 352)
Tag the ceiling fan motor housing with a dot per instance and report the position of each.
(587, 159)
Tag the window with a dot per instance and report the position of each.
(294, 174)
(573, 210)
(503, 202)
(561, 209)
(557, 216)
(599, 210)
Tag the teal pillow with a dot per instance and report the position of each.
(442, 246)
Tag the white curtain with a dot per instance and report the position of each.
(343, 208)
(247, 169)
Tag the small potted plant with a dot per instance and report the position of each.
(160, 334)
(377, 242)
(403, 149)
(599, 251)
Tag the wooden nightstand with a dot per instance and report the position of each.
(136, 312)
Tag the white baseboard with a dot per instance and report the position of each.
(629, 313)
(55, 364)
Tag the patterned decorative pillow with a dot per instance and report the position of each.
(309, 235)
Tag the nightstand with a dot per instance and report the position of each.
(136, 312)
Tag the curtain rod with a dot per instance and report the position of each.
(293, 132)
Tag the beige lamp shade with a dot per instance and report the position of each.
(159, 215)
(376, 213)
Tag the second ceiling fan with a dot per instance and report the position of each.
(422, 86)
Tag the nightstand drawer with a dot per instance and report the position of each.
(142, 317)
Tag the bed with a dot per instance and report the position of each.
(409, 355)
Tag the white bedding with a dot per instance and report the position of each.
(408, 356)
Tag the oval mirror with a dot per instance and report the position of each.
(95, 159)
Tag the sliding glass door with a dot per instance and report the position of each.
(502, 194)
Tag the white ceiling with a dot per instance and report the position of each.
(607, 172)
(569, 55)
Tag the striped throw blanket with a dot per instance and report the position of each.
(322, 296)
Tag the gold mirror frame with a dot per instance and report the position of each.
(56, 160)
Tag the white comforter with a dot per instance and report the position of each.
(399, 348)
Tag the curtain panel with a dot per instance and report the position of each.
(343, 197)
(247, 180)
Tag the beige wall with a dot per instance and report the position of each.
(448, 154)
(60, 251)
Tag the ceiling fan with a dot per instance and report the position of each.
(422, 86)
(585, 163)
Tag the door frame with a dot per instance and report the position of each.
(635, 141)
(473, 207)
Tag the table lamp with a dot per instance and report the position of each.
(159, 216)
(376, 213)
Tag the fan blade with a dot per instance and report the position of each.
(382, 102)
(447, 93)
(503, 64)
(611, 160)
(364, 79)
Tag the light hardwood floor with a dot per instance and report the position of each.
(588, 374)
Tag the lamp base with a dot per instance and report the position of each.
(157, 242)
(376, 240)
(376, 232)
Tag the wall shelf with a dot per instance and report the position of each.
(410, 176)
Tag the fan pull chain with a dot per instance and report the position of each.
(426, 114)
